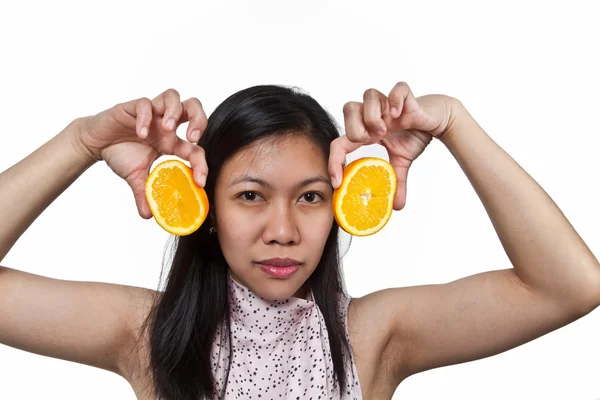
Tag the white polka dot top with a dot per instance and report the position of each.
(280, 350)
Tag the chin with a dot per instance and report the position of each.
(274, 289)
(270, 288)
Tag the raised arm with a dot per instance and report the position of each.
(50, 169)
(76, 321)
(555, 278)
(87, 322)
(547, 254)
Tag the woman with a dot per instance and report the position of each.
(269, 159)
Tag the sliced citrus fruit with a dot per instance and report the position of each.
(176, 202)
(363, 203)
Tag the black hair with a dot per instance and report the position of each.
(183, 320)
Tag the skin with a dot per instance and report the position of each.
(555, 279)
(288, 214)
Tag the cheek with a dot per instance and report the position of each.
(237, 228)
(235, 240)
(238, 232)
(315, 229)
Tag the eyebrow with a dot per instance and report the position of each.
(262, 182)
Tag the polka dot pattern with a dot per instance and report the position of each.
(280, 350)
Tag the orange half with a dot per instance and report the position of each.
(363, 203)
(176, 202)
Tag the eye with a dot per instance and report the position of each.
(250, 197)
(311, 197)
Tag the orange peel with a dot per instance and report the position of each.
(178, 205)
(363, 203)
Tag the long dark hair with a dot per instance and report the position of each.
(184, 318)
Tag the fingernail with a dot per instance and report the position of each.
(202, 180)
(393, 111)
(144, 132)
(380, 131)
(196, 135)
(171, 123)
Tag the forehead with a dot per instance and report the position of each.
(290, 157)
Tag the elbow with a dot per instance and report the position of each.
(588, 297)
(578, 298)
(596, 293)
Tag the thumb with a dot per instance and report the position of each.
(137, 182)
(401, 169)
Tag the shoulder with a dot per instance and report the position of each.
(371, 327)
(136, 355)
(373, 314)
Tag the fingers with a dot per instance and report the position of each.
(182, 149)
(137, 113)
(401, 177)
(196, 156)
(137, 182)
(174, 112)
(338, 151)
(364, 124)
(194, 113)
(359, 120)
(402, 100)
(143, 111)
(375, 107)
(369, 122)
(354, 124)
(168, 104)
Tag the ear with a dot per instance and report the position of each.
(211, 218)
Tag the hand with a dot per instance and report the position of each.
(131, 136)
(400, 123)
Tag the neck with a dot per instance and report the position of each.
(301, 293)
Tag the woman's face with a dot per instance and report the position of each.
(273, 201)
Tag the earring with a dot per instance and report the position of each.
(212, 230)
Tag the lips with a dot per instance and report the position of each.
(280, 262)
(280, 268)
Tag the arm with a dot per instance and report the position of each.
(86, 322)
(555, 279)
(547, 254)
(50, 169)
(92, 323)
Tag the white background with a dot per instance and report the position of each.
(527, 72)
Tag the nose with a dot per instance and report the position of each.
(281, 225)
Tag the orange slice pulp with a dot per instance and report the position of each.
(363, 203)
(176, 202)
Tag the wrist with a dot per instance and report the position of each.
(73, 135)
(459, 117)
